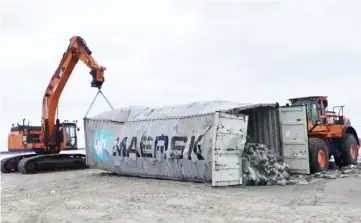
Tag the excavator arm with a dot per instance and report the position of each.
(77, 50)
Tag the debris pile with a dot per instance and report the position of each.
(261, 167)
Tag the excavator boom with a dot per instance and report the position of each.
(77, 50)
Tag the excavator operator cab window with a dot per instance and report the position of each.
(70, 135)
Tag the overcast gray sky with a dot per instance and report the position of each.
(171, 52)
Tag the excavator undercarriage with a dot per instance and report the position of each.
(33, 163)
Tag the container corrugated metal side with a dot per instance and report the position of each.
(264, 124)
(173, 148)
(190, 120)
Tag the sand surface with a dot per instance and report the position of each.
(95, 196)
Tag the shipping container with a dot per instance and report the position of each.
(202, 141)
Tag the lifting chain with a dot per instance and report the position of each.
(92, 103)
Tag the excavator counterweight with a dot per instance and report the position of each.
(52, 137)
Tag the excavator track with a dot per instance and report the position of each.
(10, 164)
(51, 162)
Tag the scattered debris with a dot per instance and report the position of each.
(348, 171)
(343, 175)
(261, 167)
(325, 175)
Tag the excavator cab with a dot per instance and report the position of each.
(69, 135)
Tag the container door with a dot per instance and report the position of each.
(294, 137)
(230, 134)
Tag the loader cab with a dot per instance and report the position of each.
(316, 108)
(69, 135)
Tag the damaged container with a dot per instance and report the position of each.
(202, 141)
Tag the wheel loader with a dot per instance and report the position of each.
(329, 134)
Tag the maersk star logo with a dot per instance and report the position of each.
(101, 144)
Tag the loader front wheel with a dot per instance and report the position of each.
(319, 156)
(349, 150)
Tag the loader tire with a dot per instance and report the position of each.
(319, 155)
(349, 150)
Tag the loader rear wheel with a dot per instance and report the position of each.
(349, 150)
(319, 157)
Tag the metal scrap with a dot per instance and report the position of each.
(260, 167)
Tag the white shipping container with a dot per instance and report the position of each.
(205, 147)
(202, 141)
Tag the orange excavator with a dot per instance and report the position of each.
(52, 137)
